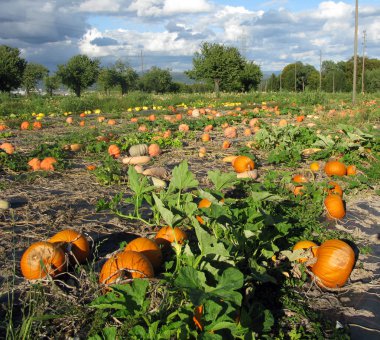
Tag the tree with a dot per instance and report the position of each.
(298, 76)
(33, 73)
(156, 80)
(250, 76)
(126, 76)
(333, 76)
(12, 67)
(79, 73)
(51, 83)
(372, 80)
(273, 83)
(218, 64)
(107, 79)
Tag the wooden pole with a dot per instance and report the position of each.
(363, 61)
(355, 54)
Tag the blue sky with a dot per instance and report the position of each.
(273, 33)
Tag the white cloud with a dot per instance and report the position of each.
(100, 6)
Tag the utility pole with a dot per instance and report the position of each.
(355, 53)
(280, 81)
(142, 62)
(333, 82)
(320, 70)
(363, 62)
(295, 77)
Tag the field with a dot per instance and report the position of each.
(235, 275)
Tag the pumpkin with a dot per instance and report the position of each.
(252, 174)
(76, 147)
(183, 127)
(204, 203)
(351, 170)
(299, 179)
(42, 259)
(226, 144)
(154, 150)
(335, 168)
(159, 172)
(305, 244)
(47, 164)
(91, 167)
(198, 312)
(8, 148)
(152, 118)
(282, 123)
(149, 248)
(142, 128)
(69, 120)
(300, 119)
(247, 132)
(37, 126)
(114, 151)
(82, 123)
(167, 134)
(229, 159)
(111, 122)
(129, 263)
(205, 137)
(334, 264)
(314, 166)
(243, 163)
(335, 189)
(254, 122)
(138, 150)
(167, 235)
(208, 128)
(136, 160)
(74, 244)
(335, 206)
(3, 127)
(35, 164)
(230, 132)
(101, 119)
(202, 151)
(24, 126)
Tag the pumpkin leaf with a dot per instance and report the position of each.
(108, 333)
(182, 178)
(166, 214)
(222, 180)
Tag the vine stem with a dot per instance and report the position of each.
(130, 217)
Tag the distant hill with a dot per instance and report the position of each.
(181, 77)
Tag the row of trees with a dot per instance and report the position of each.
(215, 66)
(334, 77)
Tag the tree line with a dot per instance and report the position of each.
(215, 67)
(333, 77)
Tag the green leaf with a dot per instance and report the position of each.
(182, 178)
(222, 180)
(259, 273)
(108, 333)
(169, 218)
(194, 281)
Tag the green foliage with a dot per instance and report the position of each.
(220, 65)
(79, 73)
(51, 83)
(12, 67)
(33, 73)
(156, 80)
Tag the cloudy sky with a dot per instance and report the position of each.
(167, 33)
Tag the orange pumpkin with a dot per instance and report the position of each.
(226, 144)
(314, 166)
(152, 118)
(230, 132)
(183, 127)
(335, 206)
(8, 148)
(111, 122)
(114, 151)
(37, 126)
(167, 235)
(74, 244)
(351, 170)
(305, 244)
(3, 127)
(69, 120)
(335, 189)
(335, 168)
(42, 259)
(198, 312)
(300, 118)
(82, 123)
(204, 203)
(243, 163)
(91, 167)
(24, 126)
(208, 128)
(154, 150)
(35, 164)
(206, 137)
(247, 132)
(149, 248)
(47, 164)
(130, 264)
(334, 264)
